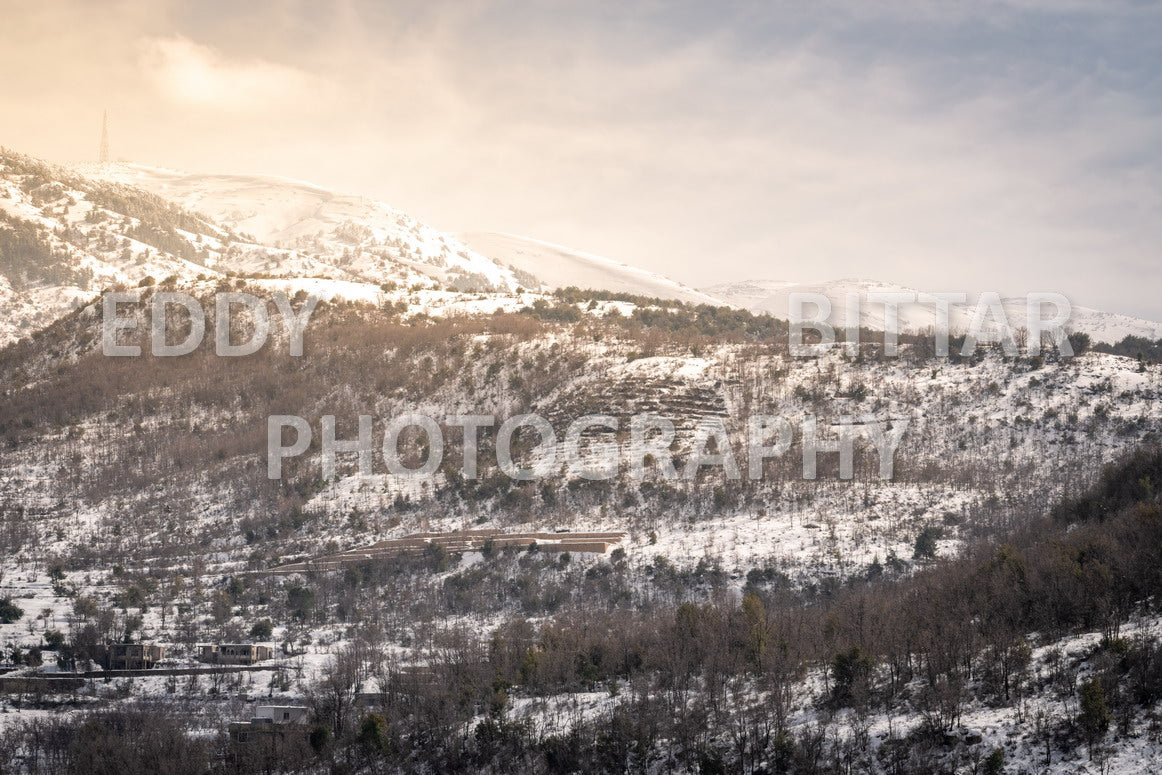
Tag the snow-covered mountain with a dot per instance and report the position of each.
(67, 233)
(369, 240)
(556, 266)
(360, 237)
(773, 297)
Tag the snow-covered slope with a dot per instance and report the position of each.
(359, 236)
(68, 233)
(94, 226)
(772, 296)
(557, 266)
(64, 237)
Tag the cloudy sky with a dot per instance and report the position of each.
(1010, 146)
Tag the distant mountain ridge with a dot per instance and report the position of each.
(361, 237)
(557, 266)
(67, 233)
(773, 297)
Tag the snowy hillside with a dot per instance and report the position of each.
(359, 236)
(142, 482)
(772, 296)
(557, 266)
(977, 429)
(64, 237)
(136, 504)
(67, 234)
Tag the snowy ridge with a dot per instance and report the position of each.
(361, 236)
(557, 266)
(773, 297)
(68, 234)
(262, 226)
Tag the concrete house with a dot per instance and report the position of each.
(133, 656)
(270, 721)
(279, 714)
(235, 653)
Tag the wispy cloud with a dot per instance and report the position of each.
(194, 74)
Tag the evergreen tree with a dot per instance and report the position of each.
(1095, 716)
